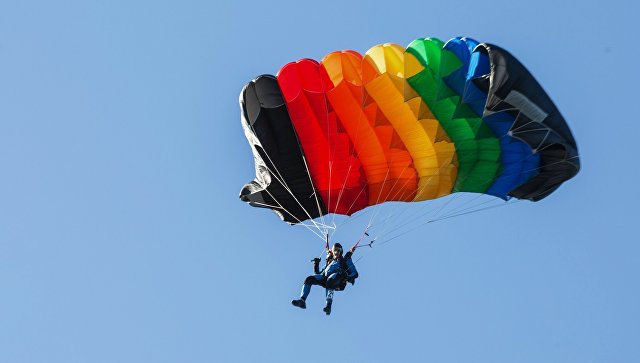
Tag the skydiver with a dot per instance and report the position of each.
(337, 271)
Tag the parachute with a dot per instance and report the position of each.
(402, 124)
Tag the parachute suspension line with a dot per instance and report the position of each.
(454, 209)
(446, 217)
(426, 183)
(317, 233)
(554, 163)
(521, 126)
(462, 211)
(330, 177)
(284, 184)
(286, 187)
(344, 183)
(472, 210)
(397, 192)
(413, 219)
(364, 233)
(454, 197)
(378, 197)
(362, 212)
(384, 181)
(464, 205)
(377, 212)
(310, 229)
(333, 218)
(315, 195)
(392, 218)
(352, 149)
(450, 215)
(267, 205)
(387, 230)
(325, 248)
(299, 222)
(331, 150)
(370, 244)
(438, 211)
(406, 207)
(306, 224)
(386, 176)
(351, 219)
(532, 130)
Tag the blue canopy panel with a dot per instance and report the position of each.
(457, 80)
(519, 161)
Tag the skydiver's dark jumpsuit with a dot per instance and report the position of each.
(334, 276)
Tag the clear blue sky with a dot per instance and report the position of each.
(121, 157)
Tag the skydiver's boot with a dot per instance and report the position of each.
(327, 308)
(299, 303)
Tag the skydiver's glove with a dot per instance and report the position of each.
(316, 265)
(352, 281)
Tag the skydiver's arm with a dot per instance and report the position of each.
(316, 265)
(352, 274)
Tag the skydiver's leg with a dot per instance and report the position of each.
(329, 295)
(332, 282)
(306, 288)
(311, 280)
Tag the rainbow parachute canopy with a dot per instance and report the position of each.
(402, 124)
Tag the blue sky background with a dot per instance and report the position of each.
(121, 158)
